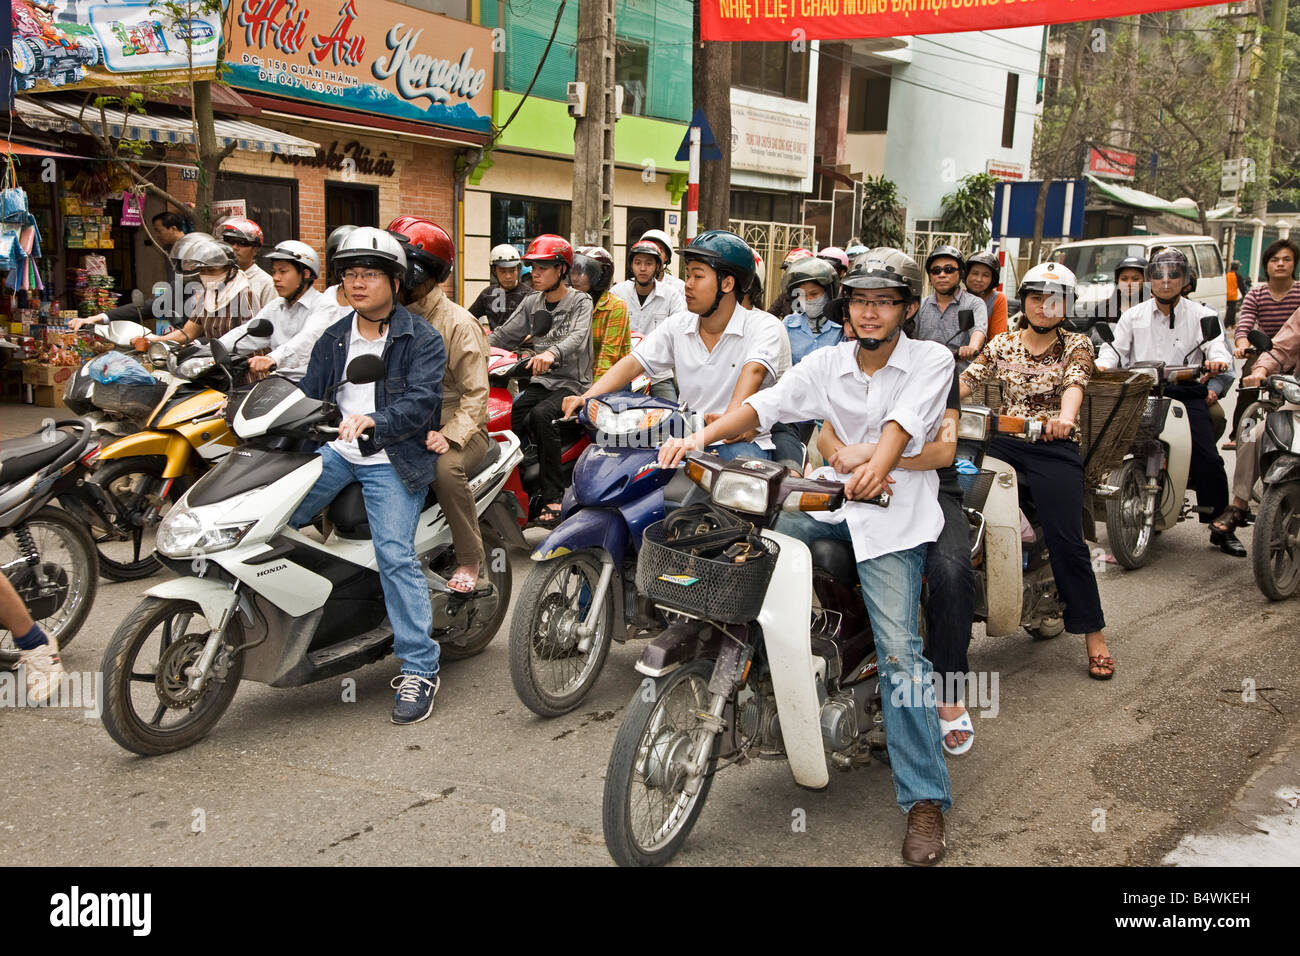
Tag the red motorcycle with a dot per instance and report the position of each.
(503, 368)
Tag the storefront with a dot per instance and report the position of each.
(397, 102)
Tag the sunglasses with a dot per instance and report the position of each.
(943, 270)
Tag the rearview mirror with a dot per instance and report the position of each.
(1105, 332)
(220, 354)
(260, 329)
(1210, 327)
(966, 319)
(365, 369)
(1260, 340)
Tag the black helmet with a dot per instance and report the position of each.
(987, 259)
(947, 252)
(597, 265)
(1131, 262)
(1171, 261)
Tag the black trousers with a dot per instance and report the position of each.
(1053, 472)
(534, 410)
(951, 607)
(1205, 474)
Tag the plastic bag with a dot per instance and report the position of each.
(115, 367)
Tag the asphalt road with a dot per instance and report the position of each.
(1070, 770)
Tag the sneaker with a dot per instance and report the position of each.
(414, 697)
(43, 670)
(924, 844)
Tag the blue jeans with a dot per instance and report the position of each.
(739, 449)
(891, 588)
(394, 514)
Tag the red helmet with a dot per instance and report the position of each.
(549, 248)
(427, 245)
(240, 228)
(795, 254)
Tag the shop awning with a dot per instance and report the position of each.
(1128, 196)
(22, 149)
(51, 115)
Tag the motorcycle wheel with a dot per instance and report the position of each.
(143, 670)
(647, 812)
(1275, 549)
(1128, 527)
(67, 562)
(480, 635)
(133, 484)
(551, 675)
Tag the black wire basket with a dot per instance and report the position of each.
(708, 588)
(1153, 418)
(975, 488)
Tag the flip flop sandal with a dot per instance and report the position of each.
(961, 724)
(547, 518)
(467, 582)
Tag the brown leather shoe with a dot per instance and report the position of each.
(924, 844)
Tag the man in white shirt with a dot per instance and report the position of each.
(298, 315)
(660, 239)
(650, 301)
(1167, 328)
(245, 237)
(721, 352)
(890, 392)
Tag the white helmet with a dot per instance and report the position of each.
(299, 253)
(660, 237)
(504, 255)
(368, 246)
(1049, 277)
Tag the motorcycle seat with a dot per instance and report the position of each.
(22, 457)
(835, 557)
(490, 458)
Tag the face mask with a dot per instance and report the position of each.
(211, 282)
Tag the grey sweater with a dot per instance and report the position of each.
(566, 331)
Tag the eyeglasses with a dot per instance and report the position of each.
(943, 270)
(362, 275)
(876, 304)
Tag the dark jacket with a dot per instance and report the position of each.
(407, 403)
(497, 305)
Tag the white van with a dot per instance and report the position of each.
(1093, 263)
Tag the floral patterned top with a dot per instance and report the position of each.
(1032, 385)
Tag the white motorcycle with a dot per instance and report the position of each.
(257, 600)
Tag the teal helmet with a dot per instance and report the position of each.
(727, 254)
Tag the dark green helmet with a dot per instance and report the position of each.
(726, 253)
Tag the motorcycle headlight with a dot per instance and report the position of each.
(1289, 388)
(185, 532)
(192, 368)
(973, 424)
(742, 492)
(626, 422)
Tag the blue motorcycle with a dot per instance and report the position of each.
(581, 595)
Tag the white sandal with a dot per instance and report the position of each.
(963, 725)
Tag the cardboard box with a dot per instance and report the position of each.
(49, 396)
(47, 376)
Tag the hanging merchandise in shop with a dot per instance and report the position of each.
(97, 43)
(859, 19)
(397, 62)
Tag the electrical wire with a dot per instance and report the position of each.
(540, 63)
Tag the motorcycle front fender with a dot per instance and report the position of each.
(1003, 563)
(786, 619)
(214, 598)
(602, 528)
(170, 445)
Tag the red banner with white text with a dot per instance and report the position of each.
(861, 19)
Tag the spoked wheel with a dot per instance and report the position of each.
(488, 616)
(651, 798)
(551, 664)
(1130, 518)
(59, 587)
(150, 708)
(1275, 550)
(136, 486)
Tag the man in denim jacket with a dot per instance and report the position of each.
(381, 444)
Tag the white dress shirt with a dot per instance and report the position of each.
(912, 390)
(664, 300)
(1143, 335)
(295, 329)
(705, 380)
(359, 399)
(263, 286)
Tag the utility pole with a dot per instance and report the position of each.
(593, 133)
(1270, 88)
(1237, 120)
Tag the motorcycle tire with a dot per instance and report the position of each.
(480, 636)
(646, 759)
(1128, 528)
(1276, 562)
(543, 648)
(77, 584)
(122, 720)
(115, 477)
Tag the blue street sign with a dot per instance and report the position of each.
(708, 145)
(1014, 205)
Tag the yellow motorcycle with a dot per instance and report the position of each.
(138, 477)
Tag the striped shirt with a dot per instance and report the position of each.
(1259, 310)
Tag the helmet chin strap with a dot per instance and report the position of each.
(872, 344)
(717, 299)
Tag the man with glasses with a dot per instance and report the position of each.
(245, 237)
(889, 392)
(381, 444)
(938, 318)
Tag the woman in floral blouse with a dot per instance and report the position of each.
(1043, 371)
